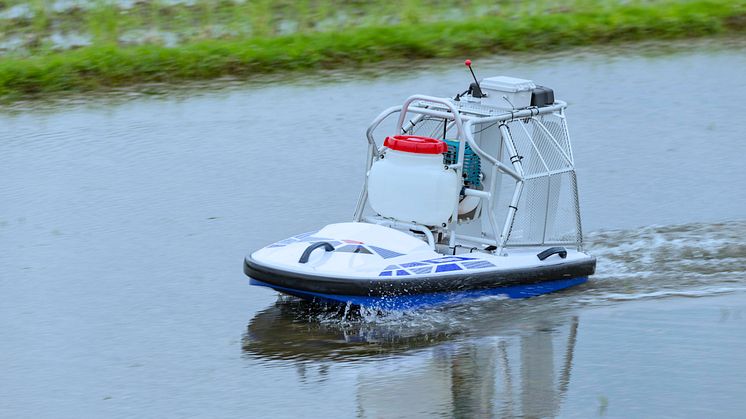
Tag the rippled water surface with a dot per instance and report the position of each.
(123, 225)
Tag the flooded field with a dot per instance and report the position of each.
(57, 25)
(123, 224)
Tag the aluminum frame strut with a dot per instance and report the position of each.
(464, 118)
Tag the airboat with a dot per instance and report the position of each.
(464, 197)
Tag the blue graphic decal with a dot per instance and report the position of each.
(354, 248)
(478, 264)
(351, 246)
(448, 267)
(385, 253)
(410, 264)
(444, 264)
(447, 259)
(304, 238)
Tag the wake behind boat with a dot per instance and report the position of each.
(466, 197)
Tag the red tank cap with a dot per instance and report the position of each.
(415, 144)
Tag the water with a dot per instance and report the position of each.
(123, 224)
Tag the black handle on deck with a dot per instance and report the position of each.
(307, 253)
(561, 251)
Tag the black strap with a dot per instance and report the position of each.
(561, 251)
(307, 253)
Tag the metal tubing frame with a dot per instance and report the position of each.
(513, 207)
(371, 158)
(464, 123)
(401, 224)
(454, 115)
(487, 241)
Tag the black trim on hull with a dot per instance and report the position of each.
(420, 285)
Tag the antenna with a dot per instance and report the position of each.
(468, 64)
(474, 89)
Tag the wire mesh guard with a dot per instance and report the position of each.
(548, 210)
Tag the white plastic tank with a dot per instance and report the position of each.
(411, 182)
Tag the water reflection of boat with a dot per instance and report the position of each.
(513, 362)
(295, 330)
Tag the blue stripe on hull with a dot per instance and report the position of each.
(403, 302)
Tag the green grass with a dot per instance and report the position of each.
(108, 64)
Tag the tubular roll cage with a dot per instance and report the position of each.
(464, 120)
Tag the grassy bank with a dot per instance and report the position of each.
(107, 63)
